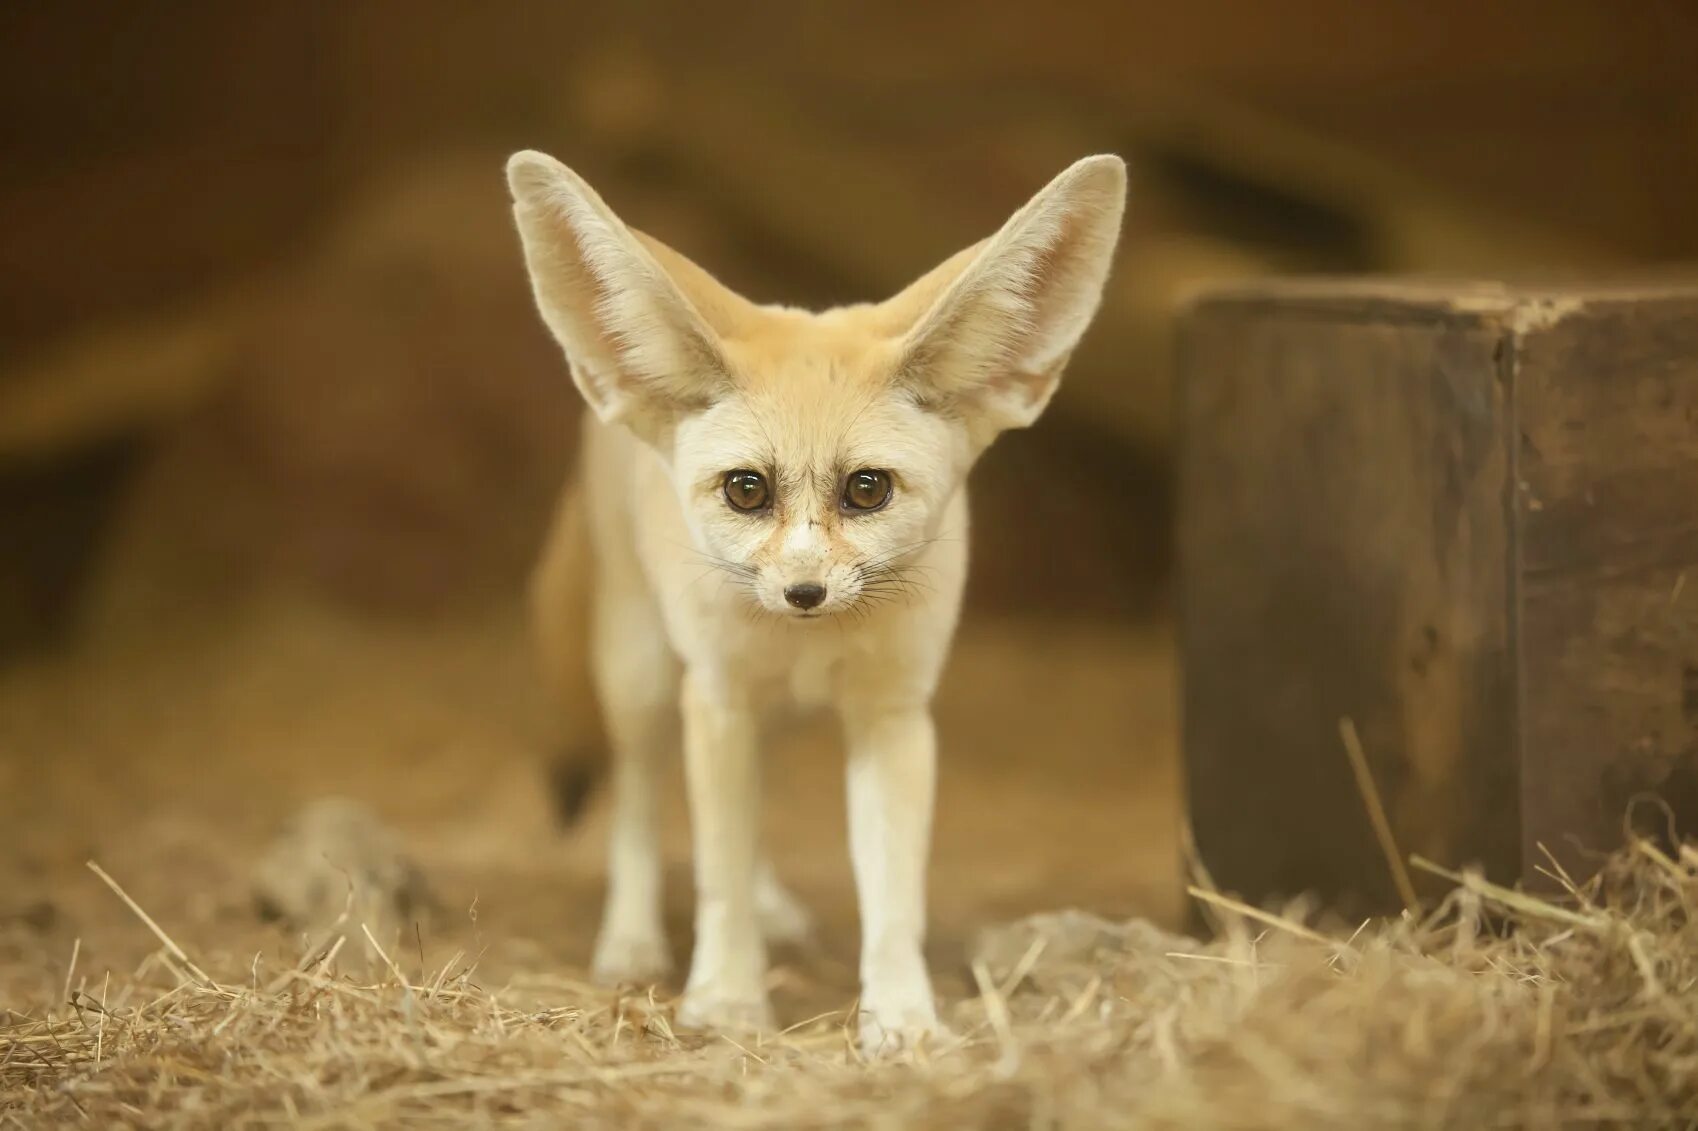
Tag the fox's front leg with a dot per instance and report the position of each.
(892, 780)
(726, 987)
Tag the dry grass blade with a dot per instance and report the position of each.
(1541, 1017)
(1377, 814)
(1519, 902)
(158, 932)
(1291, 926)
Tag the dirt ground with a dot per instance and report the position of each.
(171, 761)
(172, 758)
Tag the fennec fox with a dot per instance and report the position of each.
(771, 513)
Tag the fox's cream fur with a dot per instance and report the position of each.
(771, 513)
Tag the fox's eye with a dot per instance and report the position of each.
(866, 490)
(746, 490)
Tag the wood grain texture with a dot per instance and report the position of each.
(1343, 553)
(1464, 516)
(1607, 510)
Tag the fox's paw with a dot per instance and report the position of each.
(631, 959)
(889, 1032)
(708, 1008)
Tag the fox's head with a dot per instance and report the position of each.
(815, 453)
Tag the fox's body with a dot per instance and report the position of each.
(771, 516)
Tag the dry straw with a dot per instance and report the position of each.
(1497, 1008)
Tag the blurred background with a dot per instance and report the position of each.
(279, 429)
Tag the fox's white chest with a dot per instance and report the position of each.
(794, 671)
(813, 678)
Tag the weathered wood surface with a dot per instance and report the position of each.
(1607, 508)
(1459, 516)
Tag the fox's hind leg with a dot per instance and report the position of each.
(614, 686)
(783, 917)
(637, 680)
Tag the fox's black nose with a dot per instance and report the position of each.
(805, 595)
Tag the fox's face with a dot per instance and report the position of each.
(816, 454)
(816, 481)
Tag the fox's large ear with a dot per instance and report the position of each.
(996, 324)
(639, 350)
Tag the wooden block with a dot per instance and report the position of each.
(1464, 517)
